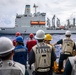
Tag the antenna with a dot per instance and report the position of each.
(35, 7)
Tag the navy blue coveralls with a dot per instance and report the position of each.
(20, 54)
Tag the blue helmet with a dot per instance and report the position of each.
(19, 39)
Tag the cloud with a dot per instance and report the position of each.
(63, 9)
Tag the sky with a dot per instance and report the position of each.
(63, 9)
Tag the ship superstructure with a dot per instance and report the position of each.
(30, 23)
(29, 19)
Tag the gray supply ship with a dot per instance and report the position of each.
(30, 23)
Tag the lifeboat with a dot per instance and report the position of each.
(34, 22)
(38, 23)
(42, 23)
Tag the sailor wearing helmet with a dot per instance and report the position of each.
(42, 55)
(29, 44)
(14, 41)
(7, 65)
(68, 45)
(20, 51)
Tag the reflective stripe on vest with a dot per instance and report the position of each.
(20, 50)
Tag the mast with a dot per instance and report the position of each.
(35, 8)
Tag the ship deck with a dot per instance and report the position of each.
(30, 71)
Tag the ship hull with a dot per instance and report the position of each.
(28, 30)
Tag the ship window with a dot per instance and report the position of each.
(18, 17)
(3, 29)
(43, 14)
(25, 15)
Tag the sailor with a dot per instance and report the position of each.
(20, 51)
(42, 55)
(17, 34)
(30, 43)
(70, 67)
(68, 45)
(7, 65)
(48, 38)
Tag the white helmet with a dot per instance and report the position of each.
(67, 32)
(6, 45)
(40, 34)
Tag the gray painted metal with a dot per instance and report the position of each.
(23, 24)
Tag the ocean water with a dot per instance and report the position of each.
(56, 37)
